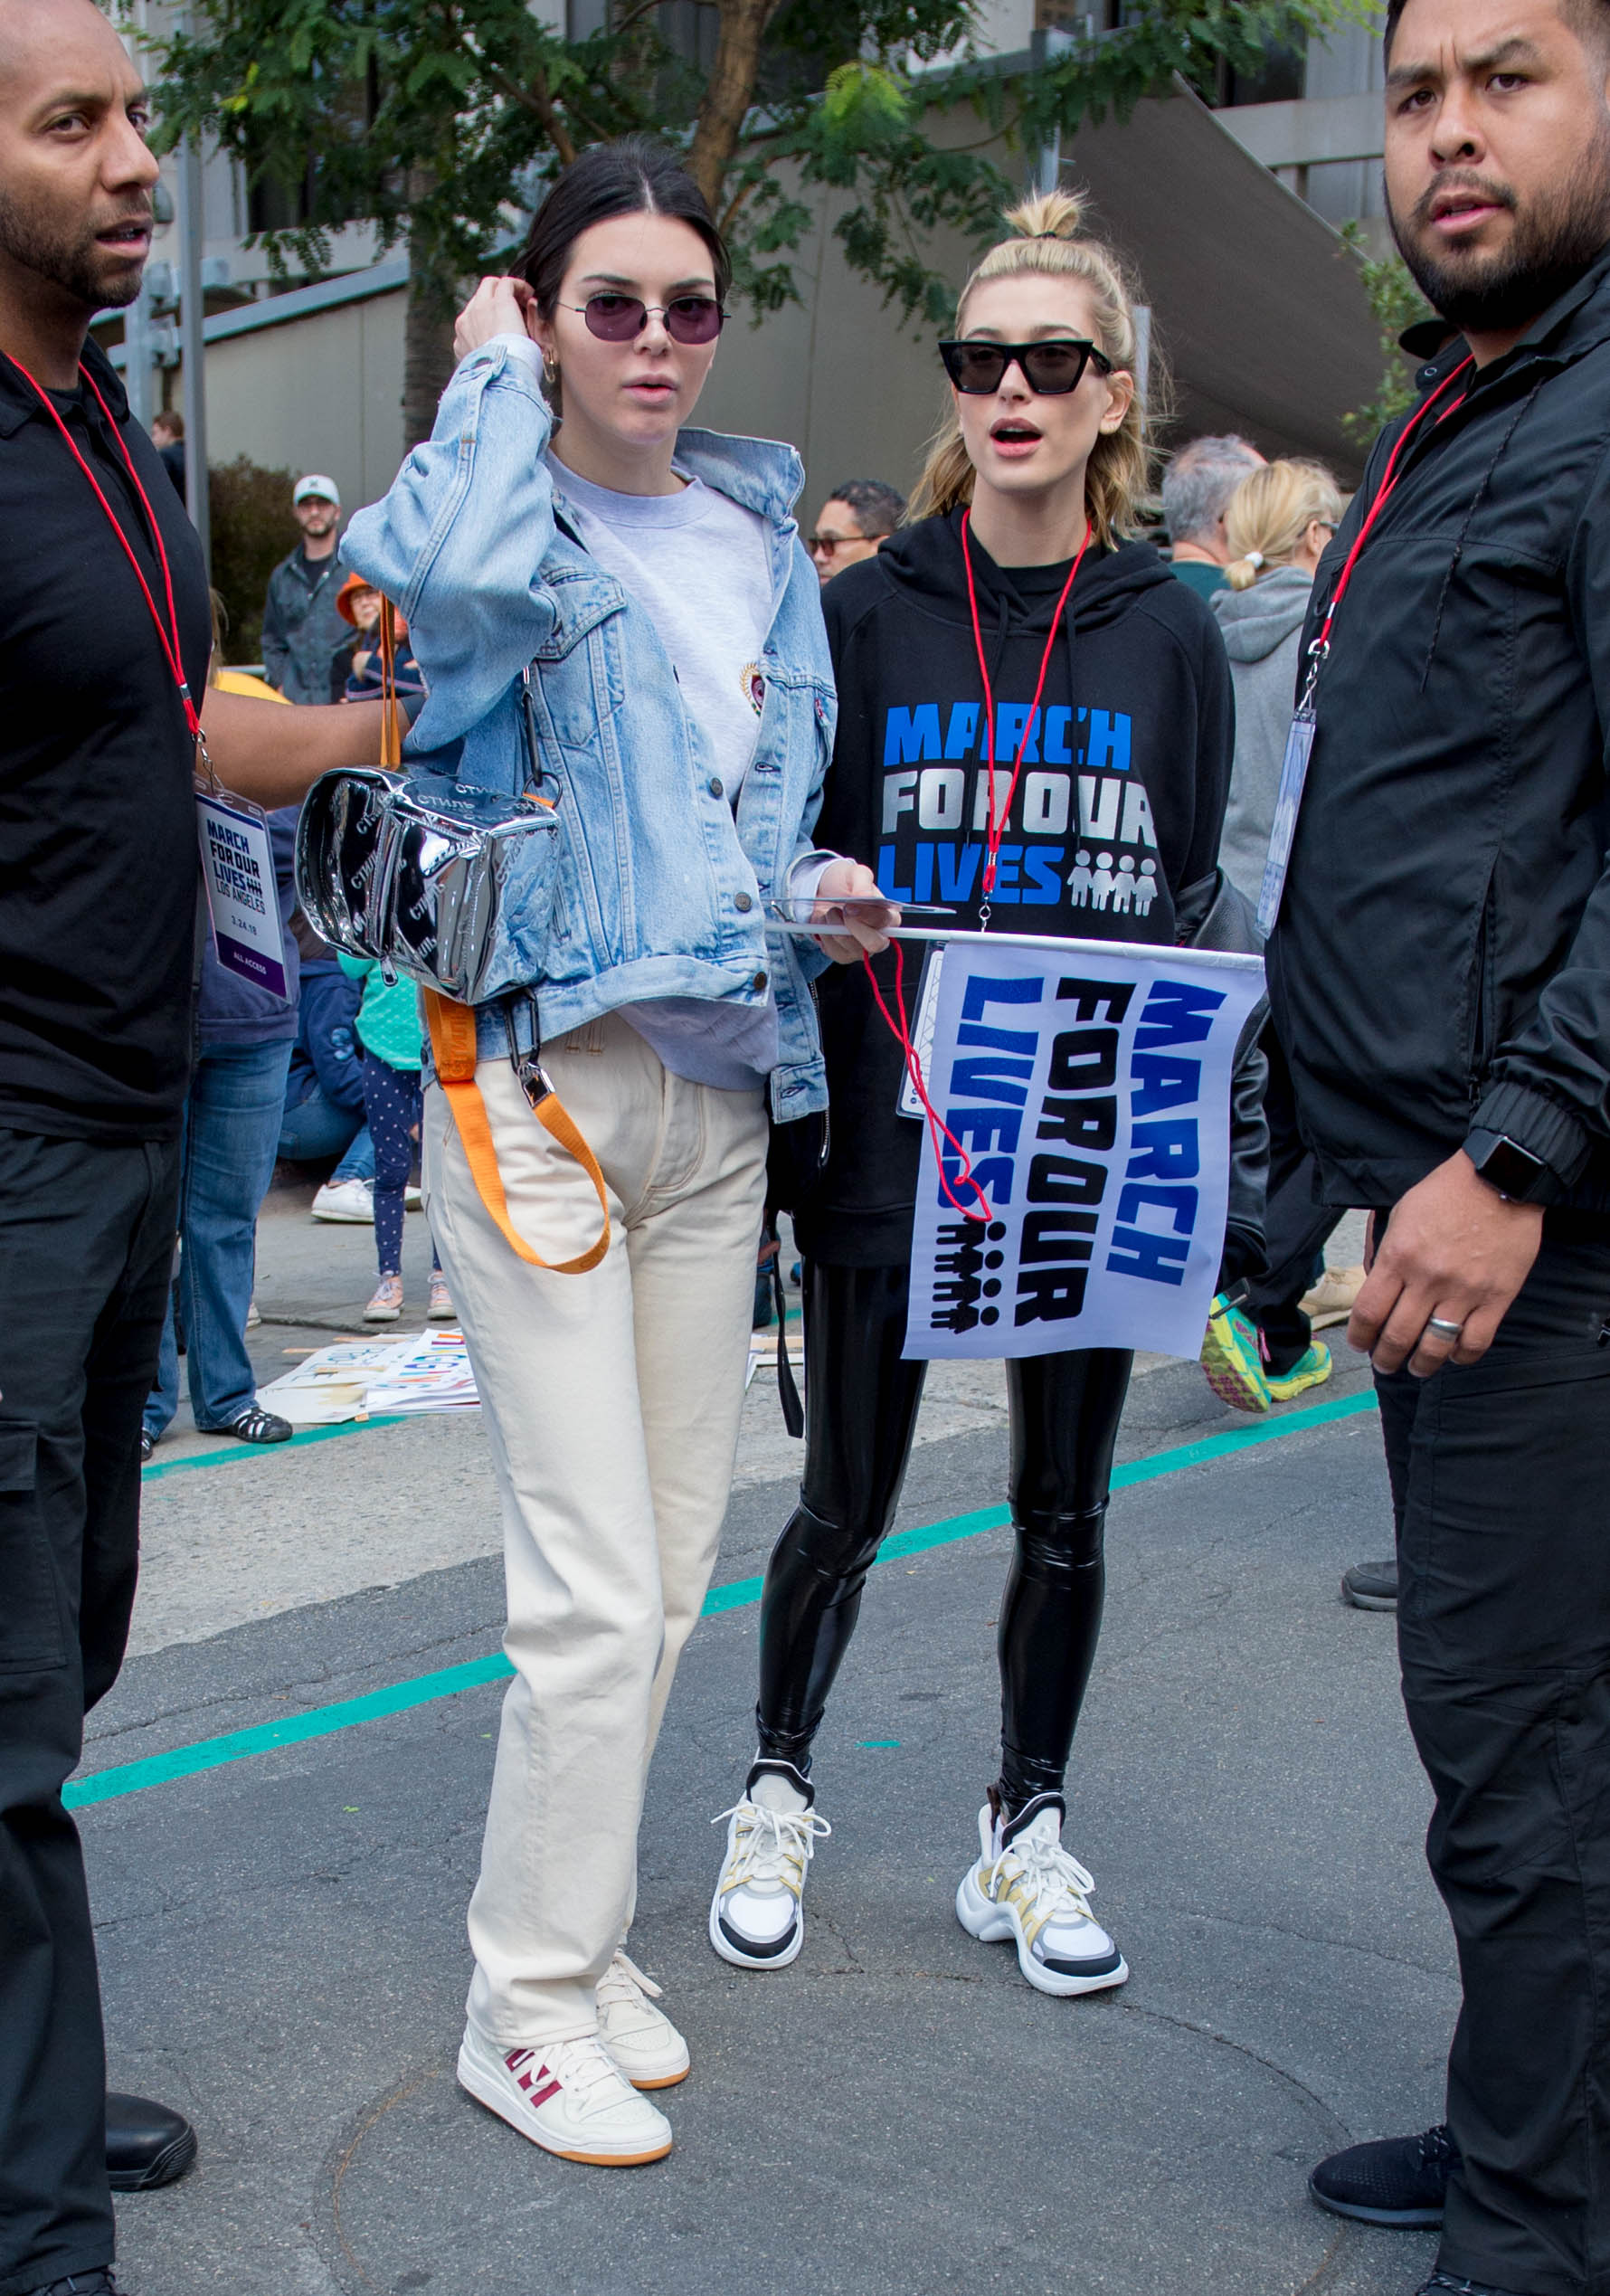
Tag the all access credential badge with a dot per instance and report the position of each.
(242, 894)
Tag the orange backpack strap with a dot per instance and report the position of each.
(453, 1044)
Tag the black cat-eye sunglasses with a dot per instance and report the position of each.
(1051, 369)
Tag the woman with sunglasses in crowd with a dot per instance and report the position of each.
(652, 579)
(1015, 578)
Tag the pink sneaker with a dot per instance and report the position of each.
(387, 1302)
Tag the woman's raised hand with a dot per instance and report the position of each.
(497, 307)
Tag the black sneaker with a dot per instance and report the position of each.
(147, 1444)
(1371, 1586)
(79, 2284)
(1400, 2181)
(148, 2145)
(1440, 2284)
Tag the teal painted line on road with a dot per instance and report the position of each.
(740, 1594)
(1244, 1439)
(235, 1745)
(240, 1451)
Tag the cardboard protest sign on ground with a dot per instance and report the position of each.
(1090, 1084)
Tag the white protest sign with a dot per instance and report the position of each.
(242, 896)
(1089, 1083)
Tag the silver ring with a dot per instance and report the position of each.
(1443, 1328)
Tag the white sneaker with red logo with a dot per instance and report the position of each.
(641, 2038)
(570, 2097)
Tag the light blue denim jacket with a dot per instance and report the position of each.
(662, 891)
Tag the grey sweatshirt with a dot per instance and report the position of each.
(1262, 630)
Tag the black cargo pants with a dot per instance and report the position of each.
(86, 1250)
(1500, 1479)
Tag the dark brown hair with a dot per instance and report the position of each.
(1590, 18)
(634, 177)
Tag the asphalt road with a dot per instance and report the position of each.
(282, 1932)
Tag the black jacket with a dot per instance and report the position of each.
(302, 633)
(1114, 834)
(1442, 960)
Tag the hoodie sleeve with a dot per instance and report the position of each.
(458, 542)
(1215, 748)
(1550, 1084)
(845, 822)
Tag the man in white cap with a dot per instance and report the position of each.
(302, 633)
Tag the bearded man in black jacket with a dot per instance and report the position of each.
(1440, 977)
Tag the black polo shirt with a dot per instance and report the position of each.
(98, 866)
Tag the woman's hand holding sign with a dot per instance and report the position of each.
(862, 930)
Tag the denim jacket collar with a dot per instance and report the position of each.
(763, 474)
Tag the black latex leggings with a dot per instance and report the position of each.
(861, 1410)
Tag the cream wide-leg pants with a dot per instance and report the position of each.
(612, 1402)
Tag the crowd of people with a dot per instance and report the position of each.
(1370, 735)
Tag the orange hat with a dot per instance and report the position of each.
(349, 591)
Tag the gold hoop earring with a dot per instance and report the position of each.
(549, 369)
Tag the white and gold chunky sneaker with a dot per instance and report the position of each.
(1026, 1886)
(757, 1920)
(570, 2097)
(642, 2040)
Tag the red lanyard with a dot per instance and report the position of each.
(1320, 646)
(169, 634)
(997, 823)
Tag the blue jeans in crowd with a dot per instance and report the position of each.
(317, 1129)
(231, 1127)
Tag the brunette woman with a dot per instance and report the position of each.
(651, 579)
(1016, 576)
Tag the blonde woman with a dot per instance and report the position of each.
(1279, 521)
(1018, 574)
(1278, 524)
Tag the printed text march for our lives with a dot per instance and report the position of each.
(1090, 1085)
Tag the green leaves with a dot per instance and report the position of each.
(1396, 303)
(441, 121)
(866, 103)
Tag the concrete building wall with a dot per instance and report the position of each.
(322, 393)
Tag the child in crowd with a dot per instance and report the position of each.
(359, 603)
(389, 1030)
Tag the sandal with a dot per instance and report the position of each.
(254, 1424)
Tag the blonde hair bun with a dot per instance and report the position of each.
(1054, 214)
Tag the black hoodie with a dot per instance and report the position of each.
(1117, 813)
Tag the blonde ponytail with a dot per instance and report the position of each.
(1271, 511)
(1047, 240)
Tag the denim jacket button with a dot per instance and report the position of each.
(742, 902)
(759, 982)
(714, 786)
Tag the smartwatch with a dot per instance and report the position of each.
(1519, 1176)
